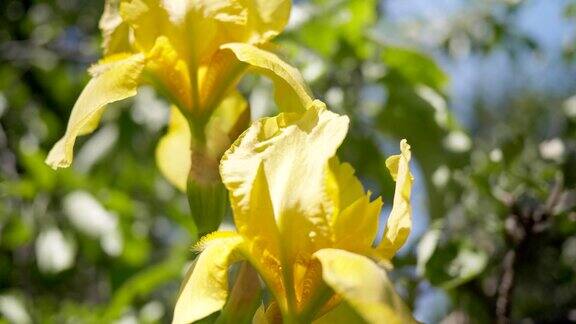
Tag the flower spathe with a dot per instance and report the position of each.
(303, 222)
(193, 52)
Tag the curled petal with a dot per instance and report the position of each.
(400, 220)
(114, 79)
(292, 94)
(206, 287)
(363, 285)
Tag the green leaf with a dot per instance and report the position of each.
(42, 175)
(335, 23)
(449, 264)
(415, 67)
(15, 233)
(143, 283)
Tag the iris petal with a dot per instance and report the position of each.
(292, 94)
(114, 79)
(206, 289)
(400, 220)
(283, 155)
(363, 285)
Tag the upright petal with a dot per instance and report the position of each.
(114, 30)
(148, 20)
(363, 286)
(286, 156)
(400, 220)
(266, 19)
(217, 78)
(168, 73)
(206, 287)
(292, 94)
(114, 79)
(216, 22)
(199, 27)
(355, 217)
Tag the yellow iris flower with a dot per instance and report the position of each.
(193, 52)
(307, 226)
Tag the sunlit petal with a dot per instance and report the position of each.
(400, 220)
(292, 94)
(266, 19)
(206, 288)
(363, 285)
(148, 20)
(355, 217)
(283, 155)
(168, 73)
(114, 30)
(115, 79)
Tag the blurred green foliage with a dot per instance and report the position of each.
(504, 185)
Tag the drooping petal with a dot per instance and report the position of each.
(286, 156)
(363, 285)
(114, 30)
(291, 92)
(114, 79)
(400, 221)
(206, 288)
(173, 151)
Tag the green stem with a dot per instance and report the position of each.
(322, 294)
(290, 316)
(193, 74)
